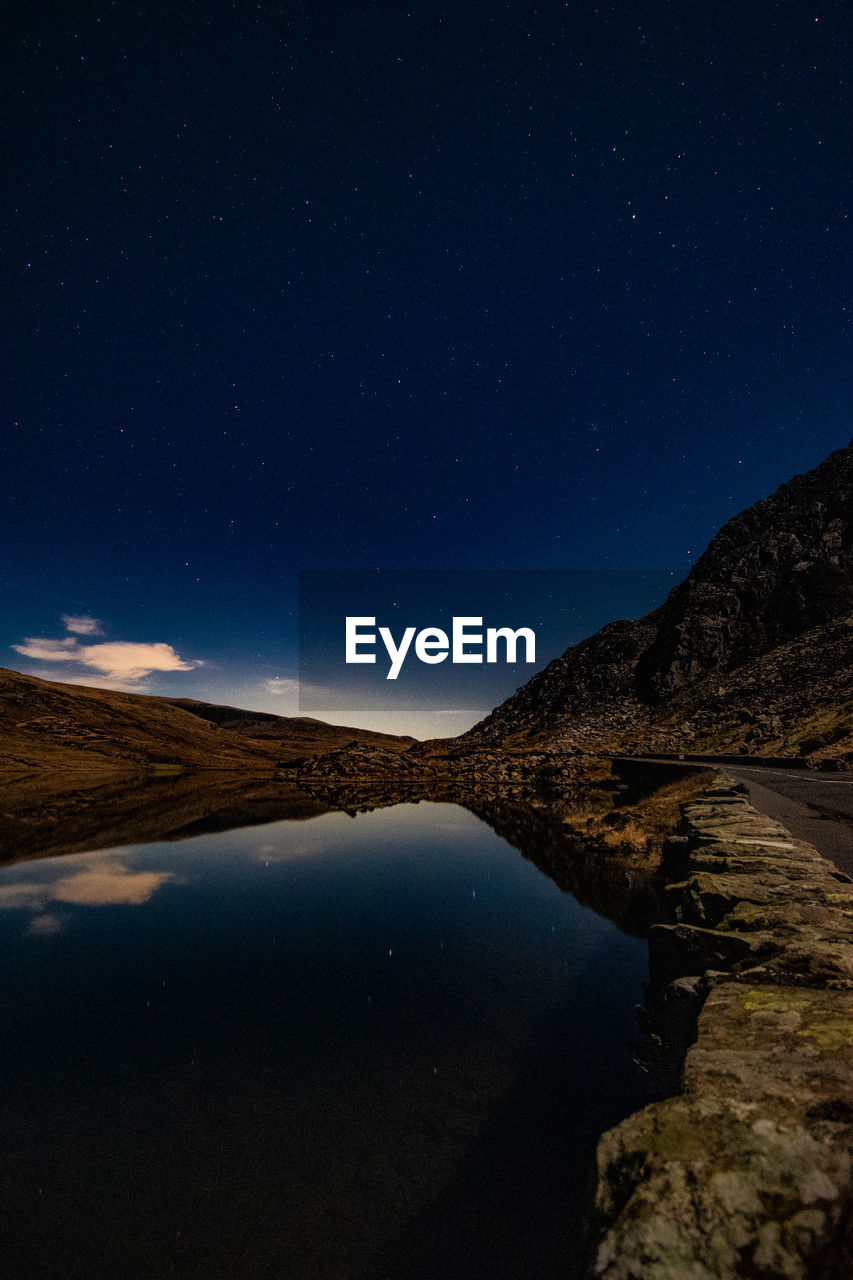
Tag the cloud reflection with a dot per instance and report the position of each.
(110, 883)
(286, 852)
(93, 880)
(46, 925)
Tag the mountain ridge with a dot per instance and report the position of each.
(776, 572)
(50, 724)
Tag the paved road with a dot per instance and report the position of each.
(817, 807)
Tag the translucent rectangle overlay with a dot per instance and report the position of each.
(425, 629)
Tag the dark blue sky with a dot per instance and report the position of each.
(295, 286)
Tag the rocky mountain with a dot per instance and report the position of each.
(753, 650)
(50, 725)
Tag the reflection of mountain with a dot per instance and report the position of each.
(39, 818)
(45, 724)
(617, 888)
(753, 649)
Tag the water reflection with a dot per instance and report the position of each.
(47, 815)
(92, 880)
(179, 808)
(328, 1048)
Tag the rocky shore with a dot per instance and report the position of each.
(747, 1171)
(441, 763)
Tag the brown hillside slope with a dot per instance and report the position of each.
(49, 725)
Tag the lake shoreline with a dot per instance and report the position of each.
(747, 1168)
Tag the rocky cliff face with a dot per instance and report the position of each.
(782, 567)
(779, 571)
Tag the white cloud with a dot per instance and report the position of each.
(120, 663)
(82, 624)
(49, 650)
(282, 687)
(131, 661)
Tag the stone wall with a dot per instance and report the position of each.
(748, 1170)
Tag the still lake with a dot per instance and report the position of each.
(339, 1048)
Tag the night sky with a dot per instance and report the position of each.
(354, 286)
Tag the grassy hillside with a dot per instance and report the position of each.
(65, 727)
